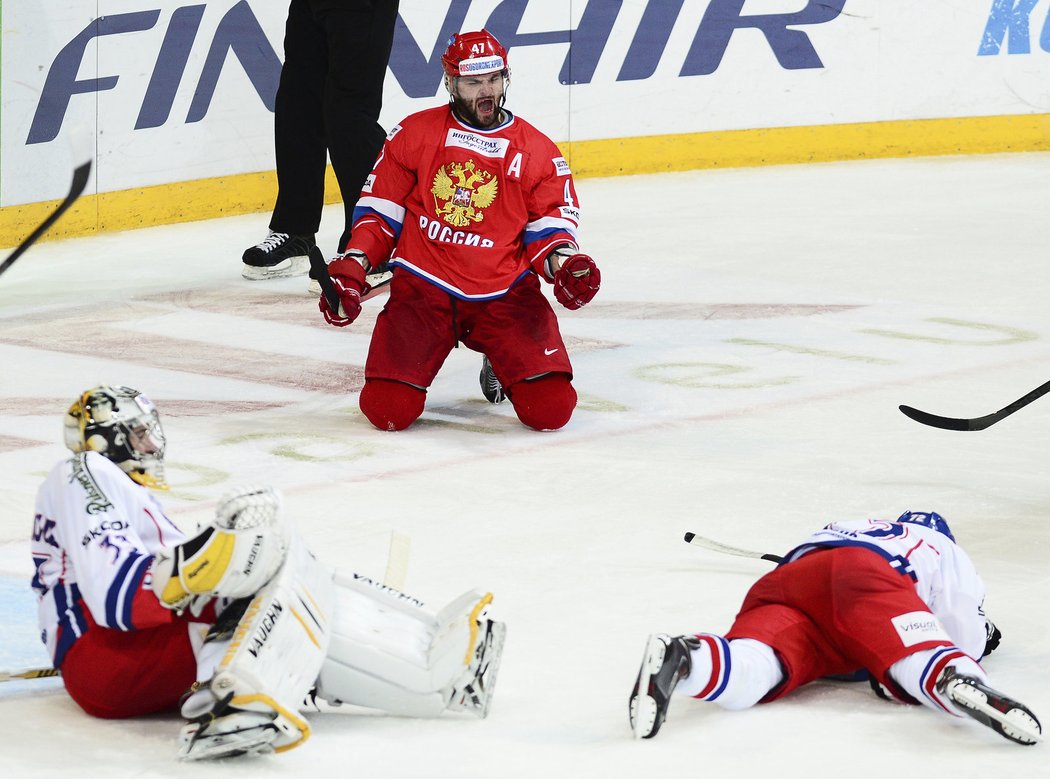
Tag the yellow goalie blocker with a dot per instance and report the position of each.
(233, 557)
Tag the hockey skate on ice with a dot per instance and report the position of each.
(490, 385)
(278, 256)
(667, 660)
(473, 692)
(1006, 717)
(223, 731)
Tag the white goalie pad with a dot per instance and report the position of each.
(271, 663)
(389, 652)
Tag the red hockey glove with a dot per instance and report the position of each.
(577, 281)
(348, 277)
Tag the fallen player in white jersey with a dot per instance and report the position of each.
(898, 602)
(242, 615)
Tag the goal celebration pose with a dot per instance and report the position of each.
(898, 600)
(241, 615)
(472, 206)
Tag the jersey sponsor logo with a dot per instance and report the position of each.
(462, 191)
(496, 148)
(97, 502)
(103, 528)
(561, 167)
(369, 183)
(915, 627)
(442, 233)
(393, 131)
(568, 212)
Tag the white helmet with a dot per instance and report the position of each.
(122, 425)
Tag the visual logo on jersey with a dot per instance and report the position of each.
(561, 167)
(919, 626)
(462, 191)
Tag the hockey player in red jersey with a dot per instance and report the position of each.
(238, 622)
(899, 602)
(473, 206)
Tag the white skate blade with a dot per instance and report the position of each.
(293, 266)
(643, 707)
(1017, 724)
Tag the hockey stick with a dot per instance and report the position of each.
(76, 189)
(375, 282)
(707, 543)
(976, 423)
(32, 673)
(397, 561)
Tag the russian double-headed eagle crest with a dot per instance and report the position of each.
(462, 190)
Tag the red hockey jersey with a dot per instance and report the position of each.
(469, 210)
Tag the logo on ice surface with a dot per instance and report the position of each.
(462, 191)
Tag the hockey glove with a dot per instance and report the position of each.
(992, 637)
(232, 557)
(577, 281)
(348, 276)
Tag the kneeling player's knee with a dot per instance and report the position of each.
(391, 405)
(545, 403)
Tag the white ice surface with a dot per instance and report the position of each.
(739, 377)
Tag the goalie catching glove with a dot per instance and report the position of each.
(348, 276)
(233, 557)
(577, 279)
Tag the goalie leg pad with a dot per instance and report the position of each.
(389, 652)
(270, 664)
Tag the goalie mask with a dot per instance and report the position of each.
(930, 519)
(122, 425)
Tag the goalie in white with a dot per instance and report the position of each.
(133, 612)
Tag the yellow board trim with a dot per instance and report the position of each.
(189, 201)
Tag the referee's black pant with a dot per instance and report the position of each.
(328, 101)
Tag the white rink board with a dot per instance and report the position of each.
(638, 69)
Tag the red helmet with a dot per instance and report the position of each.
(473, 53)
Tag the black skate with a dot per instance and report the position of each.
(1006, 717)
(490, 385)
(278, 256)
(667, 659)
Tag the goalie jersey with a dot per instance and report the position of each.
(94, 536)
(469, 210)
(944, 576)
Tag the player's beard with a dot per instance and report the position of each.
(482, 112)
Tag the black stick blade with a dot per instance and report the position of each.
(320, 269)
(76, 189)
(944, 423)
(976, 423)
